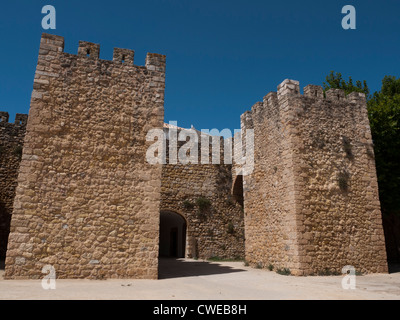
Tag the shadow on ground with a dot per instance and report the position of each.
(177, 268)
(394, 267)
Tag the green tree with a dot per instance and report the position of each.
(335, 81)
(384, 117)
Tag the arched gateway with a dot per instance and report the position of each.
(172, 235)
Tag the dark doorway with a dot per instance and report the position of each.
(172, 235)
(174, 242)
(237, 191)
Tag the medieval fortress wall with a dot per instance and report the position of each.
(312, 203)
(216, 228)
(88, 202)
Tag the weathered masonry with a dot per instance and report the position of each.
(201, 194)
(88, 203)
(311, 204)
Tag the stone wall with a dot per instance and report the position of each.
(11, 142)
(271, 235)
(339, 200)
(214, 230)
(87, 202)
(312, 203)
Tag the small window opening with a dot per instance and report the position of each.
(123, 59)
(88, 53)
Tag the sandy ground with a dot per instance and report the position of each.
(191, 280)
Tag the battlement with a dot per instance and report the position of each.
(51, 45)
(88, 49)
(290, 89)
(4, 116)
(20, 119)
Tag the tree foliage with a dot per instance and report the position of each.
(335, 81)
(384, 117)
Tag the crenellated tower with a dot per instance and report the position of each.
(87, 202)
(312, 204)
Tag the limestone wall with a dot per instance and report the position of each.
(87, 202)
(312, 203)
(11, 142)
(216, 230)
(269, 204)
(338, 201)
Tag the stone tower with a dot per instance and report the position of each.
(311, 204)
(87, 202)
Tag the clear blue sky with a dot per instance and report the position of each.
(222, 56)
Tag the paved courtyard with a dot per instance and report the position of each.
(195, 279)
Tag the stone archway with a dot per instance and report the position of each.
(173, 228)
